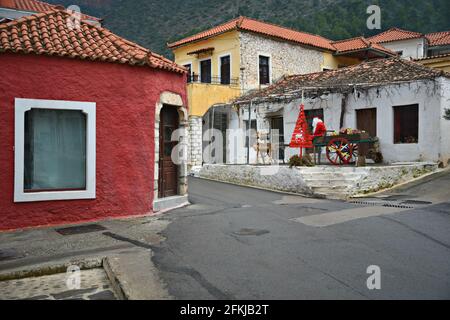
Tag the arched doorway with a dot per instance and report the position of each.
(168, 170)
(170, 179)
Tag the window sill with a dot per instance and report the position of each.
(53, 196)
(406, 143)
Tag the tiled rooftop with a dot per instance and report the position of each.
(438, 38)
(268, 29)
(247, 24)
(374, 72)
(440, 56)
(359, 43)
(36, 6)
(395, 34)
(49, 34)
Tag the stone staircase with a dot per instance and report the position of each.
(332, 182)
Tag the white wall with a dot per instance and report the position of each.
(13, 14)
(426, 95)
(445, 124)
(412, 48)
(434, 132)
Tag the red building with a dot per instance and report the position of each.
(81, 111)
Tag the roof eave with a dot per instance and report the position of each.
(174, 45)
(380, 52)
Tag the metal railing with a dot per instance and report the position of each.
(195, 78)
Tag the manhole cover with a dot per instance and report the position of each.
(9, 254)
(80, 229)
(250, 232)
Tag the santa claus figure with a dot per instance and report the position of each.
(319, 128)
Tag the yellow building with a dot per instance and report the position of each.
(441, 62)
(214, 70)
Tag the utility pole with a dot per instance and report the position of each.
(249, 129)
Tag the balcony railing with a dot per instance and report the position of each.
(195, 78)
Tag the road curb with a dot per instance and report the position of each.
(49, 269)
(115, 282)
(411, 183)
(134, 277)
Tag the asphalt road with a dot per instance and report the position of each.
(242, 243)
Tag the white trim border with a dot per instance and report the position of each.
(23, 105)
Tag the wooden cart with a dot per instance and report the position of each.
(343, 148)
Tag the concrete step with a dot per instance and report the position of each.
(332, 176)
(329, 183)
(331, 189)
(333, 169)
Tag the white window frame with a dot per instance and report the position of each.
(200, 69)
(219, 65)
(267, 55)
(24, 105)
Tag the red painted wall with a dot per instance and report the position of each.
(125, 96)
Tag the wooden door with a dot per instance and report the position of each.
(168, 171)
(366, 119)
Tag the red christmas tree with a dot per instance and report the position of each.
(301, 137)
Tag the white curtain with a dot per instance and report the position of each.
(55, 150)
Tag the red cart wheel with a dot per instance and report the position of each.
(339, 151)
(355, 152)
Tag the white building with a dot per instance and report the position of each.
(399, 101)
(414, 45)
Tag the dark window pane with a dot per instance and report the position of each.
(168, 134)
(310, 115)
(205, 71)
(406, 124)
(278, 124)
(252, 133)
(55, 150)
(168, 146)
(264, 75)
(189, 76)
(225, 70)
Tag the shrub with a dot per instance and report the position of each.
(447, 114)
(296, 161)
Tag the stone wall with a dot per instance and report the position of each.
(195, 142)
(285, 58)
(285, 178)
(320, 181)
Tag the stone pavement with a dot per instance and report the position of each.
(33, 262)
(94, 285)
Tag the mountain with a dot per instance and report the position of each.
(153, 23)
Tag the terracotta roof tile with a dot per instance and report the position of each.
(251, 25)
(48, 33)
(37, 6)
(374, 72)
(285, 33)
(440, 56)
(438, 38)
(395, 34)
(359, 43)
